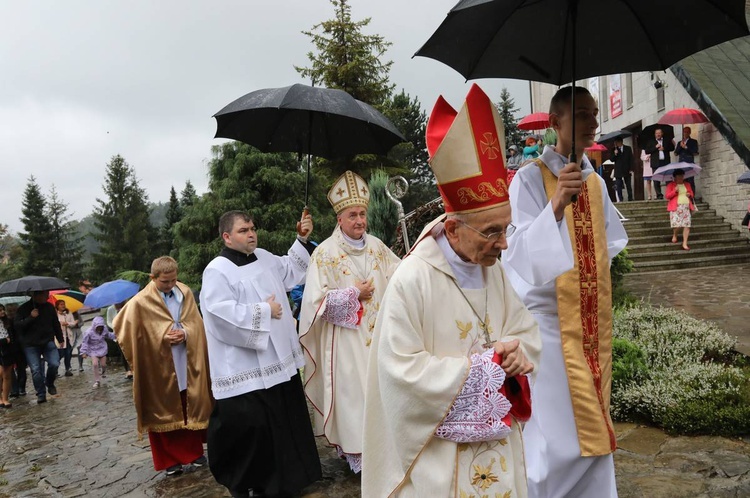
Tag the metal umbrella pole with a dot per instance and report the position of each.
(396, 189)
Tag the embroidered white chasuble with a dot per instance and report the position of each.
(336, 356)
(419, 360)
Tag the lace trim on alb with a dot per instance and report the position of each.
(256, 321)
(342, 306)
(234, 381)
(354, 460)
(298, 260)
(477, 413)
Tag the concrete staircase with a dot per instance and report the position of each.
(712, 240)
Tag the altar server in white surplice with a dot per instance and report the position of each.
(447, 384)
(346, 280)
(260, 440)
(558, 261)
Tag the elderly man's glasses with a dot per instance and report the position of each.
(494, 236)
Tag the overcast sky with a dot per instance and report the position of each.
(85, 80)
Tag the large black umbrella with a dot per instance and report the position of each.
(647, 134)
(307, 120)
(613, 135)
(556, 41)
(32, 283)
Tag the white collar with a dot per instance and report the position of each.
(555, 161)
(358, 244)
(469, 275)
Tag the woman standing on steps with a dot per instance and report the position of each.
(679, 204)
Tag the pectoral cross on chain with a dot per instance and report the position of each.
(484, 325)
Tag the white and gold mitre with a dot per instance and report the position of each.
(349, 190)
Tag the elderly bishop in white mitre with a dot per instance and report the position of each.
(454, 348)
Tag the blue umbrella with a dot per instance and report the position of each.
(110, 293)
(744, 177)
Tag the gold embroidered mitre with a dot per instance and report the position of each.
(467, 153)
(349, 190)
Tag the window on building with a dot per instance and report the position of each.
(660, 98)
(604, 98)
(629, 90)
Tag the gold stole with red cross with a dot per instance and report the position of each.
(584, 303)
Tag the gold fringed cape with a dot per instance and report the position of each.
(584, 303)
(141, 328)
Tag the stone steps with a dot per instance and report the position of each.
(736, 244)
(712, 240)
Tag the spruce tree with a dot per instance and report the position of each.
(269, 186)
(507, 109)
(174, 215)
(382, 213)
(407, 115)
(39, 256)
(188, 196)
(11, 255)
(348, 59)
(66, 243)
(125, 234)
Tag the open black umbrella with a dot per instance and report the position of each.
(647, 134)
(555, 41)
(32, 283)
(307, 120)
(612, 135)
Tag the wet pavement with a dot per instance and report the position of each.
(82, 442)
(718, 294)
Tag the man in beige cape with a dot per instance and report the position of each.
(161, 335)
(346, 280)
(446, 383)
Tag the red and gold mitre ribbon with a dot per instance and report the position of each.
(467, 153)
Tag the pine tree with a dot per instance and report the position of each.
(39, 258)
(407, 115)
(11, 255)
(67, 244)
(348, 59)
(174, 215)
(269, 186)
(507, 109)
(382, 213)
(124, 232)
(188, 196)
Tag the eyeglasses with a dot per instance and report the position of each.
(494, 236)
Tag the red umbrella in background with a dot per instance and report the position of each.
(683, 116)
(596, 148)
(535, 121)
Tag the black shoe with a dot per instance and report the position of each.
(201, 461)
(41, 399)
(22, 393)
(174, 470)
(69, 373)
(14, 395)
(52, 390)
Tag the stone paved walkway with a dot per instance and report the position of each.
(83, 443)
(719, 294)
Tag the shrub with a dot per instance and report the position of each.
(690, 383)
(628, 362)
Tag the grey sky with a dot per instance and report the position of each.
(85, 80)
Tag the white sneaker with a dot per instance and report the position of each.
(96, 384)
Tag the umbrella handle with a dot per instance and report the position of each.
(573, 158)
(305, 212)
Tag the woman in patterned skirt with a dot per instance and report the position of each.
(679, 204)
